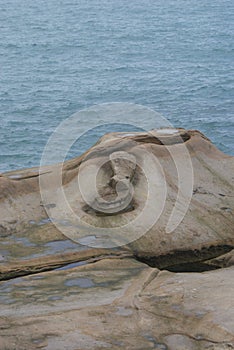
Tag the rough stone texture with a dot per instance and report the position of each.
(113, 304)
(224, 260)
(56, 293)
(205, 232)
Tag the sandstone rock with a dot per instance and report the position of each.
(84, 248)
(117, 304)
(206, 230)
(205, 175)
(225, 260)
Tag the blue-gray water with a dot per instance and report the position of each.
(60, 56)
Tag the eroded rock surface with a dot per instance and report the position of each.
(118, 304)
(134, 194)
(67, 283)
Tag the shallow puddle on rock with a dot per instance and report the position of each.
(3, 255)
(88, 240)
(41, 222)
(11, 282)
(158, 346)
(70, 266)
(24, 241)
(55, 298)
(64, 290)
(53, 247)
(19, 247)
(24, 252)
(61, 246)
(6, 288)
(80, 282)
(123, 311)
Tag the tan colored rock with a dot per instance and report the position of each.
(225, 260)
(115, 304)
(84, 289)
(206, 231)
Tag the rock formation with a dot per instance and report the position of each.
(128, 246)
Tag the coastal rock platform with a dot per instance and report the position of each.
(145, 262)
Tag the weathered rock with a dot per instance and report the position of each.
(115, 304)
(205, 232)
(225, 260)
(95, 295)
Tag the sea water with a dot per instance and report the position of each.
(60, 56)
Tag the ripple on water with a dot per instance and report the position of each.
(181, 68)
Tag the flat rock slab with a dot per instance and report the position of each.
(113, 304)
(42, 247)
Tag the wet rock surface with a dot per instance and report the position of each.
(66, 286)
(117, 304)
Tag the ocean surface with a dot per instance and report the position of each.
(60, 56)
